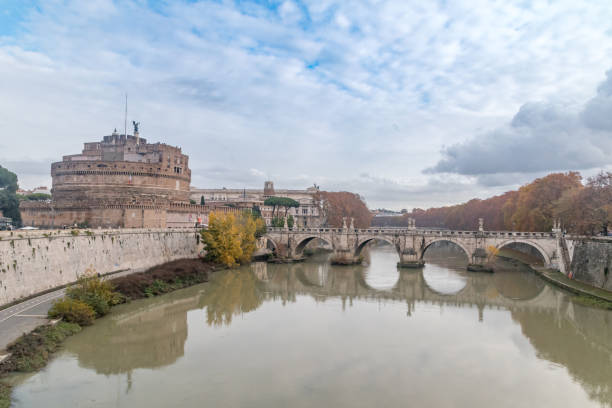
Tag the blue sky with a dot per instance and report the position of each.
(409, 103)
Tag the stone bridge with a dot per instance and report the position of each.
(411, 243)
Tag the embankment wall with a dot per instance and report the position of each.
(592, 262)
(35, 261)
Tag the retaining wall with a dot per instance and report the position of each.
(592, 262)
(35, 261)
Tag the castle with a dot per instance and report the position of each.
(120, 182)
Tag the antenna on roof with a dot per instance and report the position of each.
(125, 120)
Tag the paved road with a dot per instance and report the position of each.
(26, 316)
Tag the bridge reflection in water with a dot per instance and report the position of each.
(151, 334)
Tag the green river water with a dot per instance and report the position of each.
(316, 335)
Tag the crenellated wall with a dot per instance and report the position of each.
(35, 261)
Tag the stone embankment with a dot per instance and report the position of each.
(592, 262)
(32, 262)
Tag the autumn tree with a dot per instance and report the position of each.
(222, 239)
(231, 239)
(535, 203)
(337, 205)
(531, 208)
(587, 210)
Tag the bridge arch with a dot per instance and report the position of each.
(303, 241)
(271, 241)
(362, 244)
(467, 252)
(532, 244)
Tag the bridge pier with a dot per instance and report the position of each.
(345, 257)
(410, 259)
(479, 261)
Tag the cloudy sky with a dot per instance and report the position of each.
(409, 103)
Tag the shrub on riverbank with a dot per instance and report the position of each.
(73, 311)
(31, 351)
(95, 292)
(163, 278)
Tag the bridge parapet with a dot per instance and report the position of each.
(411, 243)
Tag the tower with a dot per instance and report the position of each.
(268, 189)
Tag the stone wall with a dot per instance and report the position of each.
(175, 215)
(592, 262)
(35, 261)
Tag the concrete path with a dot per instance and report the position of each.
(28, 315)
(572, 285)
(25, 317)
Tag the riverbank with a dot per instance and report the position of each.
(585, 294)
(31, 351)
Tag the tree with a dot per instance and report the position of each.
(222, 239)
(587, 210)
(202, 200)
(341, 204)
(34, 197)
(231, 239)
(285, 202)
(531, 208)
(278, 222)
(290, 221)
(9, 203)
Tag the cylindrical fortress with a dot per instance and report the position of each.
(122, 170)
(102, 182)
(122, 181)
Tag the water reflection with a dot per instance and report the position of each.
(150, 335)
(311, 334)
(381, 272)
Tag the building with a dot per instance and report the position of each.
(37, 190)
(308, 214)
(119, 182)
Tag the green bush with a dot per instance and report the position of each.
(158, 287)
(98, 294)
(73, 311)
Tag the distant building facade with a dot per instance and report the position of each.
(308, 214)
(121, 181)
(36, 190)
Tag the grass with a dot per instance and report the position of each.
(32, 351)
(5, 395)
(592, 302)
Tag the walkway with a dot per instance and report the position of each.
(28, 315)
(25, 317)
(572, 285)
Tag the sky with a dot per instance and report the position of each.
(408, 103)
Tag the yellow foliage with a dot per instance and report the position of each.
(230, 239)
(492, 251)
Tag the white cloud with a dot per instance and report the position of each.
(316, 93)
(541, 137)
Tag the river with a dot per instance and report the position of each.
(316, 335)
